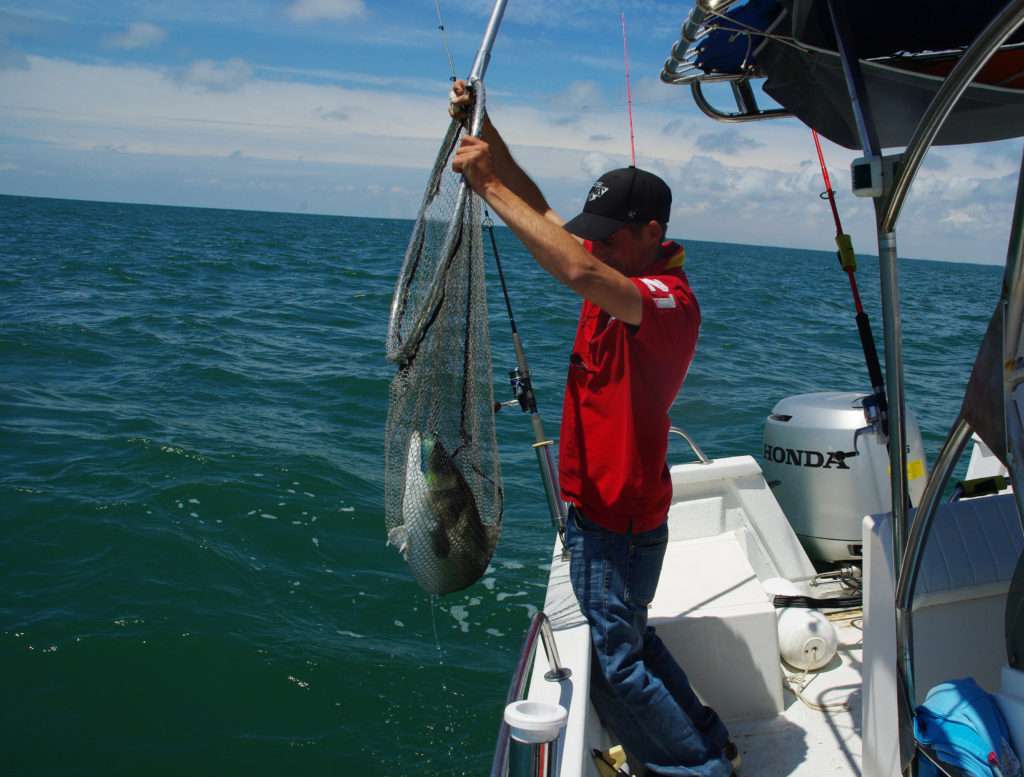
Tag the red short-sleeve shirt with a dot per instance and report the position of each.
(621, 384)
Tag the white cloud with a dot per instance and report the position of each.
(959, 216)
(325, 143)
(218, 76)
(579, 97)
(11, 58)
(594, 164)
(139, 35)
(313, 10)
(404, 80)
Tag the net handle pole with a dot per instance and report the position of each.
(483, 55)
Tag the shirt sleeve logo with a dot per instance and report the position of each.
(654, 285)
(659, 292)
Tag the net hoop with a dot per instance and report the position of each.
(402, 350)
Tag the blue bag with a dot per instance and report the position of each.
(961, 725)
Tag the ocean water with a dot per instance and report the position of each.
(192, 403)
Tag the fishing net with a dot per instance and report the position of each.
(442, 479)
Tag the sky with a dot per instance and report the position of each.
(339, 106)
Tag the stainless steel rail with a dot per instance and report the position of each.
(910, 565)
(745, 102)
(540, 625)
(908, 552)
(682, 433)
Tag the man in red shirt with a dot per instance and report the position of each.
(635, 339)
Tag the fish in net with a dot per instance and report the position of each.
(442, 477)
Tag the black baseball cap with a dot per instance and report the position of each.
(619, 197)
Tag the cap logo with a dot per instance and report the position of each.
(597, 190)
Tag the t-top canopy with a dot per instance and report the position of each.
(905, 51)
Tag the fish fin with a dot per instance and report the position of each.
(399, 538)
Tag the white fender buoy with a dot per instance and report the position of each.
(807, 639)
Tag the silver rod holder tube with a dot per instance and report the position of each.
(893, 329)
(536, 728)
(687, 34)
(483, 55)
(536, 759)
(969, 65)
(539, 626)
(906, 582)
(542, 446)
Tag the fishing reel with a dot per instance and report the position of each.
(522, 391)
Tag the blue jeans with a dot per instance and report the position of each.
(639, 691)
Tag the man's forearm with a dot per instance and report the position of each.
(562, 256)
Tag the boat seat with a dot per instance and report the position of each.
(960, 602)
(727, 533)
(959, 607)
(718, 622)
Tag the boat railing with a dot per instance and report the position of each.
(539, 626)
(678, 430)
(681, 68)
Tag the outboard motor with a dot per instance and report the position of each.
(828, 466)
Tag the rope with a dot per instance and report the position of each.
(798, 683)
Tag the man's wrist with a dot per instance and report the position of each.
(492, 189)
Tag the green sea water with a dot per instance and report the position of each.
(192, 403)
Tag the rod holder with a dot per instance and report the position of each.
(535, 727)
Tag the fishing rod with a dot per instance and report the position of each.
(524, 396)
(877, 403)
(629, 91)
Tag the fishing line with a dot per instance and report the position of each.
(629, 91)
(444, 37)
(450, 725)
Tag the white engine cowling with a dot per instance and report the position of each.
(828, 469)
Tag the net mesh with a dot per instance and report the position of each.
(442, 480)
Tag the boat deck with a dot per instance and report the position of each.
(799, 742)
(806, 742)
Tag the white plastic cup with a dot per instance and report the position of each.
(535, 727)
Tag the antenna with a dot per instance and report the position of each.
(629, 92)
